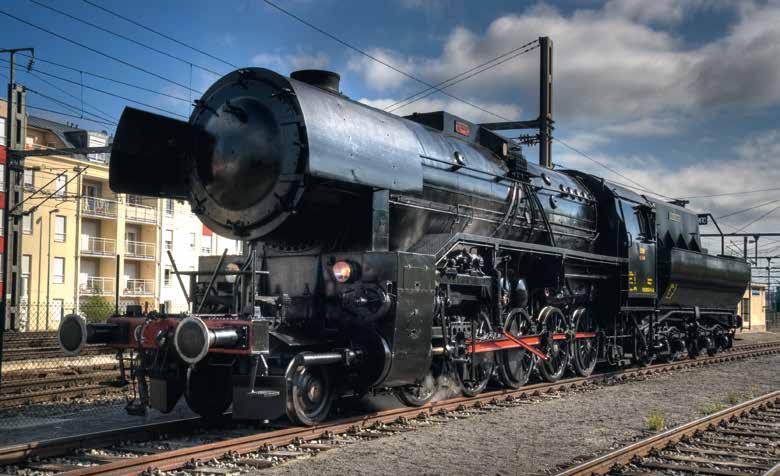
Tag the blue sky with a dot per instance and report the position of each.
(682, 96)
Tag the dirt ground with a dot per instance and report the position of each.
(538, 438)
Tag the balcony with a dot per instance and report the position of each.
(139, 287)
(98, 207)
(139, 250)
(139, 213)
(97, 286)
(93, 246)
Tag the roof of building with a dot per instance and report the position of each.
(56, 128)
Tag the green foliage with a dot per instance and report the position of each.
(655, 421)
(733, 397)
(752, 392)
(711, 407)
(96, 308)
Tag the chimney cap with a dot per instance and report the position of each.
(322, 79)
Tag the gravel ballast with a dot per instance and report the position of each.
(541, 437)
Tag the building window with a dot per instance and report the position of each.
(167, 277)
(60, 225)
(135, 200)
(169, 207)
(29, 179)
(168, 239)
(58, 270)
(60, 188)
(27, 224)
(2, 175)
(205, 245)
(26, 259)
(26, 265)
(57, 307)
(2, 131)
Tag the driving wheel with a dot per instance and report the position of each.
(475, 370)
(553, 322)
(585, 351)
(515, 365)
(419, 395)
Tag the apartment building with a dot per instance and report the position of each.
(81, 243)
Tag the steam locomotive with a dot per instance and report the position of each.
(385, 252)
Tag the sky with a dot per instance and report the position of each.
(679, 96)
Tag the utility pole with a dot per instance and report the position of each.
(15, 132)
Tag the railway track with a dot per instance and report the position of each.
(257, 447)
(742, 440)
(57, 384)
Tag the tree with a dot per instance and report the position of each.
(96, 308)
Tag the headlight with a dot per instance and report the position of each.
(342, 271)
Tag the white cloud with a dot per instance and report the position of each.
(378, 76)
(291, 62)
(611, 64)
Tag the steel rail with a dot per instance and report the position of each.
(622, 456)
(179, 458)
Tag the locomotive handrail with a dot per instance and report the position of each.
(564, 253)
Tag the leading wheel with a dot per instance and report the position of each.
(209, 390)
(585, 351)
(419, 395)
(515, 365)
(309, 393)
(474, 372)
(553, 322)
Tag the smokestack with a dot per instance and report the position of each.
(327, 80)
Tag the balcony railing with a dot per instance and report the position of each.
(91, 245)
(139, 249)
(98, 207)
(96, 285)
(141, 213)
(139, 287)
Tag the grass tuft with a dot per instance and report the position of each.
(655, 421)
(712, 407)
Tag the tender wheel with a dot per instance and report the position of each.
(309, 394)
(553, 322)
(672, 353)
(515, 365)
(694, 350)
(585, 351)
(209, 391)
(474, 374)
(419, 395)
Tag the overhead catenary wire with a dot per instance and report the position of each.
(614, 171)
(38, 59)
(743, 192)
(124, 37)
(63, 91)
(65, 114)
(163, 35)
(71, 106)
(757, 219)
(511, 54)
(94, 50)
(748, 209)
(109, 93)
